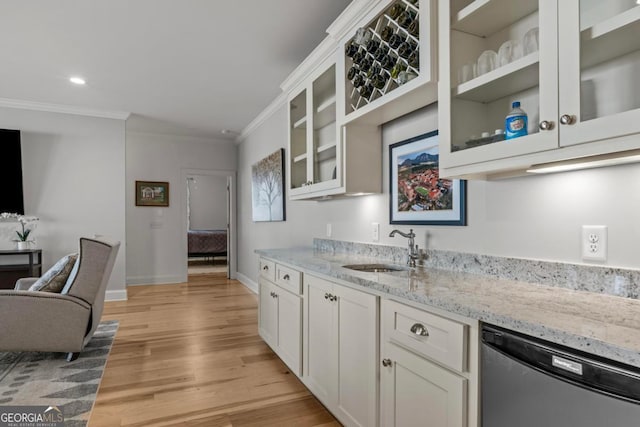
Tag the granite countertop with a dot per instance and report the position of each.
(605, 325)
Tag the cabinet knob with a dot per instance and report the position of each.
(386, 362)
(419, 330)
(326, 296)
(567, 119)
(546, 125)
(332, 297)
(285, 277)
(265, 268)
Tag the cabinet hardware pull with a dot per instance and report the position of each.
(567, 119)
(332, 297)
(386, 362)
(275, 295)
(326, 296)
(419, 330)
(546, 125)
(265, 268)
(286, 277)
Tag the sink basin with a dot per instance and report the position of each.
(375, 268)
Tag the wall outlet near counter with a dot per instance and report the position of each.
(375, 231)
(594, 242)
(328, 229)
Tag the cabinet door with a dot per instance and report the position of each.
(416, 392)
(320, 350)
(298, 153)
(357, 367)
(474, 99)
(290, 330)
(599, 61)
(268, 317)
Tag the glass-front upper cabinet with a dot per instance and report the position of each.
(314, 142)
(599, 60)
(494, 53)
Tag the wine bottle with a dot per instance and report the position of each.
(386, 33)
(406, 76)
(365, 64)
(375, 69)
(350, 49)
(366, 91)
(414, 59)
(363, 35)
(372, 46)
(352, 73)
(406, 18)
(358, 80)
(395, 40)
(387, 62)
(405, 49)
(379, 80)
(414, 28)
(380, 53)
(358, 57)
(397, 68)
(396, 10)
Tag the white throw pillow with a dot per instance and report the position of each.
(56, 277)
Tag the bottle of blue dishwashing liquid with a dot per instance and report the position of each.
(516, 122)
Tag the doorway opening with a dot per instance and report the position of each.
(209, 223)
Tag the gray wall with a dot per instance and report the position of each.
(536, 217)
(73, 175)
(207, 202)
(156, 237)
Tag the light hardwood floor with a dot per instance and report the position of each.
(190, 354)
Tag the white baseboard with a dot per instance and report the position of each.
(116, 295)
(250, 284)
(155, 280)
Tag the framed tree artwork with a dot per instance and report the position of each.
(267, 188)
(417, 193)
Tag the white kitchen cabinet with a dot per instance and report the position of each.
(280, 321)
(578, 88)
(341, 327)
(326, 158)
(429, 373)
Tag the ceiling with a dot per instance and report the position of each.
(191, 67)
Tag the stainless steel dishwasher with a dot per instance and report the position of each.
(528, 382)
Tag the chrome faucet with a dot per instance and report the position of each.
(413, 248)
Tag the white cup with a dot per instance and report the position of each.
(530, 41)
(466, 72)
(487, 62)
(509, 52)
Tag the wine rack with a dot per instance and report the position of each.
(383, 55)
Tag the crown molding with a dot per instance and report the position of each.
(309, 64)
(274, 106)
(64, 109)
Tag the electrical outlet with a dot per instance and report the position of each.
(329, 229)
(594, 242)
(375, 231)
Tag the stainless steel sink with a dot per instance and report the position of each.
(375, 268)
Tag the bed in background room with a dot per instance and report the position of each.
(207, 243)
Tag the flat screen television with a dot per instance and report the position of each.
(11, 196)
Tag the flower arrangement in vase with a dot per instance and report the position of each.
(23, 234)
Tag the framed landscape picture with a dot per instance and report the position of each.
(417, 193)
(152, 193)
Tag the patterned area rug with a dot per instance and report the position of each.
(47, 379)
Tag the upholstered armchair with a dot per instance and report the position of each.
(59, 322)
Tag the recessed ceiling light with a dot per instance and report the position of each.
(77, 80)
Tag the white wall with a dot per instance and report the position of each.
(537, 217)
(157, 246)
(73, 174)
(207, 202)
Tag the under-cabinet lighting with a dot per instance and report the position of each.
(77, 80)
(613, 159)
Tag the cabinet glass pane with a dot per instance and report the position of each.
(298, 135)
(495, 61)
(324, 126)
(609, 58)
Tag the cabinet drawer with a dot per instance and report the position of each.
(289, 279)
(442, 340)
(268, 269)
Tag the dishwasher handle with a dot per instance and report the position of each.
(588, 371)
